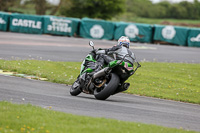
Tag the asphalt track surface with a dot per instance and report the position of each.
(121, 106)
(56, 48)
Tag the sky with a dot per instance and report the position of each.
(54, 1)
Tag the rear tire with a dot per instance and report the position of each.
(109, 88)
(75, 88)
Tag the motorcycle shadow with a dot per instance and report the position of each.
(112, 99)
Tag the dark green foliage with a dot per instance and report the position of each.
(5, 4)
(107, 9)
(40, 6)
(104, 9)
(182, 10)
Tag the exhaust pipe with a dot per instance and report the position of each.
(101, 73)
(124, 87)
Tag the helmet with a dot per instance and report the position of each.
(124, 41)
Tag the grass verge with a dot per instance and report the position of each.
(178, 22)
(27, 118)
(176, 81)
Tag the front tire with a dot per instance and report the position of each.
(109, 88)
(75, 88)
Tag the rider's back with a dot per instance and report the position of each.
(121, 51)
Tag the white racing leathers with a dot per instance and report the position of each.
(120, 52)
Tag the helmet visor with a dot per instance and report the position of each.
(126, 44)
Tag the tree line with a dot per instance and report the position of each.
(107, 9)
(182, 10)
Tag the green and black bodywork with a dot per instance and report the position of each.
(108, 81)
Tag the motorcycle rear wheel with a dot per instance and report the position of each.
(109, 88)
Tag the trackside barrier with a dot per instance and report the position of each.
(60, 25)
(31, 24)
(171, 34)
(4, 21)
(75, 25)
(99, 29)
(96, 29)
(136, 32)
(194, 37)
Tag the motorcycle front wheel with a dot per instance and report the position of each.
(108, 89)
(75, 88)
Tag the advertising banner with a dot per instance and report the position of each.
(96, 29)
(26, 23)
(135, 32)
(194, 37)
(171, 34)
(75, 25)
(57, 26)
(4, 21)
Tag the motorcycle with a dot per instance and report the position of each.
(108, 81)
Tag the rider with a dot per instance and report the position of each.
(119, 50)
(103, 57)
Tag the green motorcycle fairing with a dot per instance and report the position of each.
(89, 57)
(126, 65)
(112, 64)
